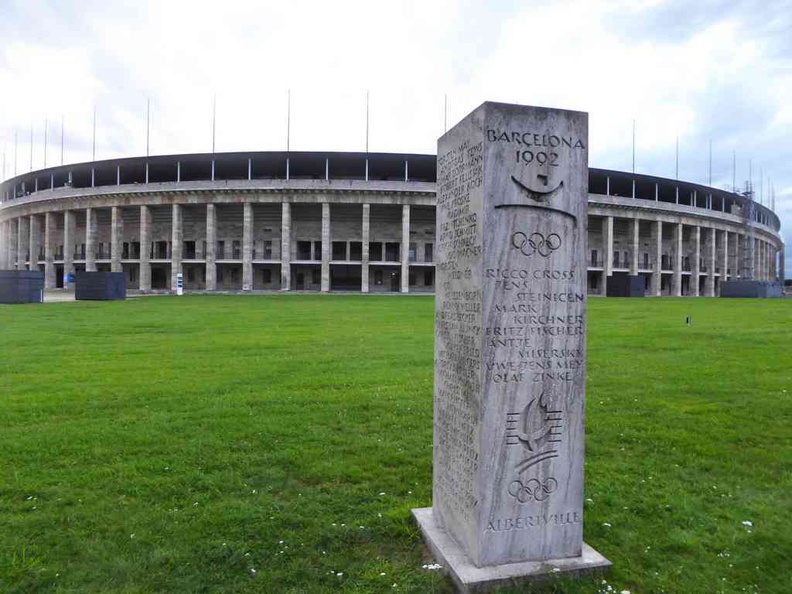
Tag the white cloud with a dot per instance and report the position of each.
(677, 71)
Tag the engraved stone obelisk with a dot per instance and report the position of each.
(510, 345)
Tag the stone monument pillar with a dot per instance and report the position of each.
(510, 347)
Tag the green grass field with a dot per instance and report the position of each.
(277, 444)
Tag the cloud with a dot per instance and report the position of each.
(716, 70)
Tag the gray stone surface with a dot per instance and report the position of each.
(470, 578)
(510, 334)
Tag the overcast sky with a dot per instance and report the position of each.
(702, 71)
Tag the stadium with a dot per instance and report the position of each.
(312, 221)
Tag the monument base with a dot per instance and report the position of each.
(469, 578)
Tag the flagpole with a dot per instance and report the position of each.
(367, 122)
(710, 164)
(214, 120)
(148, 124)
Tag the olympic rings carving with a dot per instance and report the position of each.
(536, 243)
(532, 489)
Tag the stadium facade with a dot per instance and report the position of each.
(348, 222)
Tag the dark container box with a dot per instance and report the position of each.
(625, 285)
(750, 288)
(21, 286)
(100, 286)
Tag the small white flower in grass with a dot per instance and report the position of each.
(252, 571)
(747, 523)
(556, 569)
(589, 500)
(607, 524)
(382, 493)
(340, 574)
(432, 566)
(280, 542)
(625, 592)
(247, 554)
(382, 574)
(132, 535)
(195, 504)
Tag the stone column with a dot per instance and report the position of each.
(326, 247)
(49, 252)
(35, 230)
(724, 256)
(709, 285)
(737, 272)
(364, 264)
(607, 238)
(11, 226)
(696, 262)
(766, 258)
(760, 258)
(90, 240)
(211, 248)
(676, 279)
(4, 245)
(68, 244)
(635, 245)
(15, 255)
(145, 248)
(285, 246)
(758, 268)
(115, 239)
(23, 242)
(247, 247)
(177, 238)
(658, 258)
(405, 254)
(781, 265)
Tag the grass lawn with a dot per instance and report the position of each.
(277, 444)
